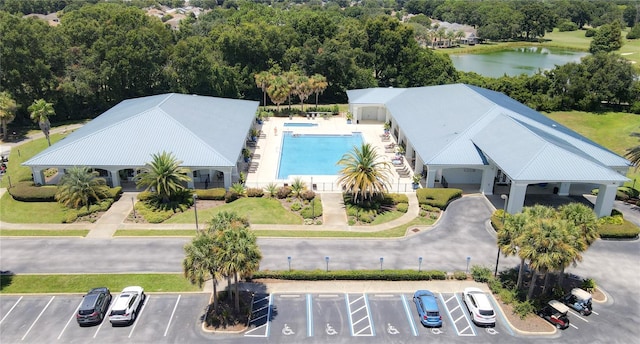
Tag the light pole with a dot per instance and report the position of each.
(195, 208)
(468, 260)
(134, 209)
(289, 260)
(419, 264)
(381, 260)
(504, 212)
(313, 203)
(326, 259)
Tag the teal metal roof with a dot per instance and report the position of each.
(466, 125)
(201, 131)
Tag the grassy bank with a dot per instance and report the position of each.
(45, 232)
(81, 283)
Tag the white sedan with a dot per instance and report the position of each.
(479, 307)
(127, 305)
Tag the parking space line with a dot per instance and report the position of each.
(69, 321)
(268, 331)
(328, 295)
(103, 321)
(574, 326)
(172, 314)
(357, 310)
(408, 312)
(578, 316)
(467, 316)
(456, 307)
(39, 315)
(309, 316)
(365, 328)
(498, 310)
(14, 306)
(266, 316)
(358, 299)
(594, 312)
(144, 305)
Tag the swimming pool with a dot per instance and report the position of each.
(298, 124)
(314, 154)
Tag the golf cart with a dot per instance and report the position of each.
(556, 313)
(578, 299)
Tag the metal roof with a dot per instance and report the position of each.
(465, 125)
(200, 131)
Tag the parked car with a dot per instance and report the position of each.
(94, 306)
(578, 299)
(479, 307)
(427, 306)
(126, 306)
(556, 313)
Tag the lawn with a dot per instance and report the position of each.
(257, 210)
(15, 171)
(611, 130)
(81, 283)
(45, 232)
(23, 212)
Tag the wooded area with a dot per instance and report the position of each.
(104, 52)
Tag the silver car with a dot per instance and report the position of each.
(126, 306)
(479, 307)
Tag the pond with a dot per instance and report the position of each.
(516, 61)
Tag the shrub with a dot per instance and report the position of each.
(215, 194)
(590, 33)
(523, 308)
(115, 193)
(438, 198)
(28, 192)
(153, 215)
(296, 206)
(362, 275)
(283, 192)
(231, 196)
(307, 195)
(308, 212)
(480, 273)
(145, 196)
(495, 285)
(395, 198)
(631, 192)
(507, 296)
(271, 189)
(635, 32)
(622, 230)
(72, 214)
(588, 284)
(567, 26)
(255, 192)
(460, 275)
(402, 207)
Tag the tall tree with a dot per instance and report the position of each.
(512, 237)
(200, 263)
(364, 173)
(40, 112)
(278, 90)
(80, 187)
(303, 89)
(7, 112)
(607, 38)
(262, 81)
(318, 85)
(163, 175)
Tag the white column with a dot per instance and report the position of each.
(227, 178)
(38, 176)
(564, 189)
(604, 201)
(115, 178)
(517, 193)
(488, 178)
(431, 177)
(191, 183)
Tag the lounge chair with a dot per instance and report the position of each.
(397, 162)
(392, 145)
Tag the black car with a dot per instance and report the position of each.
(94, 306)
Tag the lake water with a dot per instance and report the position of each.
(516, 61)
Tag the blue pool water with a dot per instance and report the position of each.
(314, 154)
(297, 124)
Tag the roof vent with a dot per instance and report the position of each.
(553, 125)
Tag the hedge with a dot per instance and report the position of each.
(395, 198)
(353, 275)
(626, 230)
(72, 214)
(28, 192)
(215, 194)
(439, 198)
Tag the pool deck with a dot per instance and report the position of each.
(268, 149)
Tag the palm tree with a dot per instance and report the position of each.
(40, 112)
(164, 175)
(584, 220)
(278, 90)
(7, 112)
(319, 84)
(262, 81)
(512, 237)
(80, 187)
(237, 249)
(633, 153)
(460, 35)
(303, 89)
(364, 173)
(297, 187)
(199, 262)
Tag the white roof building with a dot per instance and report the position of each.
(462, 134)
(207, 134)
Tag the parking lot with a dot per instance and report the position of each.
(281, 318)
(163, 318)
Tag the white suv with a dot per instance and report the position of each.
(126, 305)
(479, 307)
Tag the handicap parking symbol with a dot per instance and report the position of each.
(330, 330)
(492, 331)
(392, 329)
(436, 331)
(287, 331)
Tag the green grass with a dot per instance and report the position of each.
(23, 212)
(611, 130)
(81, 283)
(44, 232)
(15, 171)
(385, 217)
(257, 210)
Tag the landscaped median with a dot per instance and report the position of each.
(81, 283)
